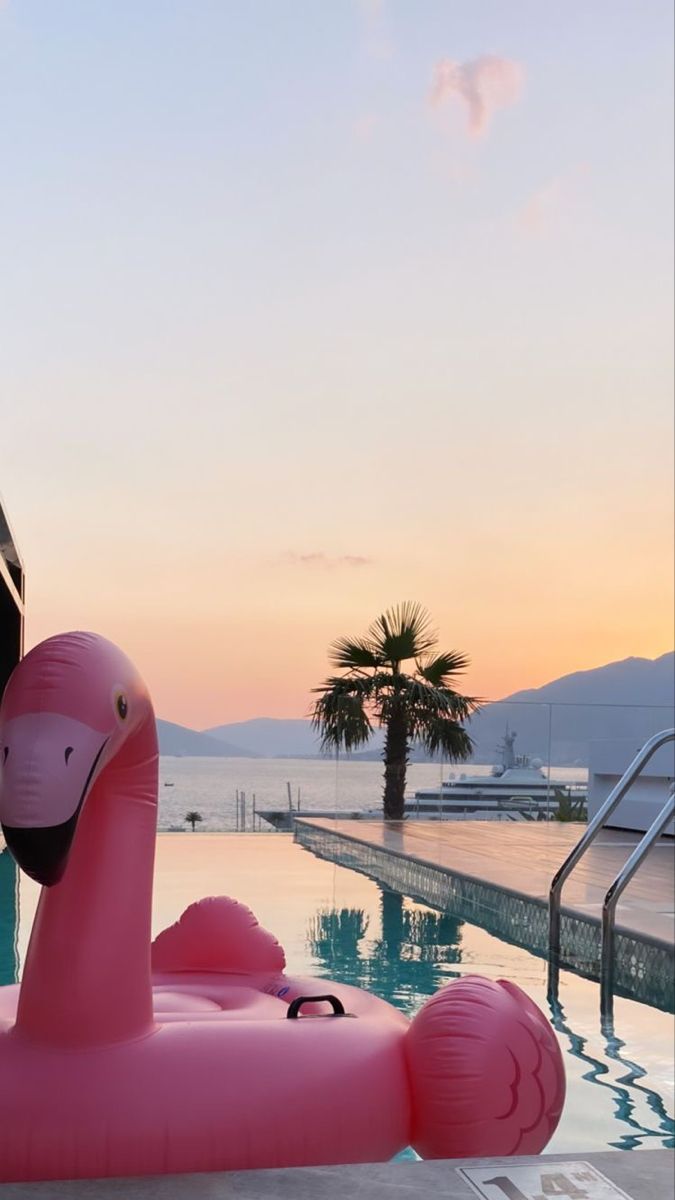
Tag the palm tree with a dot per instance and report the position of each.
(419, 706)
(410, 957)
(194, 818)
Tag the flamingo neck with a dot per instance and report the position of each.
(87, 975)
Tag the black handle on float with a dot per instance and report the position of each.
(295, 1005)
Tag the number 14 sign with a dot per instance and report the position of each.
(542, 1181)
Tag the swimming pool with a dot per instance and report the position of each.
(336, 923)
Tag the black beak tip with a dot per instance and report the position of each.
(41, 853)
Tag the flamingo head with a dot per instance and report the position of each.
(71, 706)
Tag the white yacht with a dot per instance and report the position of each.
(516, 789)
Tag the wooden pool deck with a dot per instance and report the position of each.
(499, 874)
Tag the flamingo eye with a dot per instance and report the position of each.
(122, 707)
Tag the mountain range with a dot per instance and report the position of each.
(179, 740)
(606, 702)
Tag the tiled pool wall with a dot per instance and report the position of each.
(643, 968)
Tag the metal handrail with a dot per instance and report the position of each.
(611, 899)
(613, 800)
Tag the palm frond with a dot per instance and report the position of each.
(425, 701)
(448, 737)
(340, 714)
(438, 668)
(354, 654)
(403, 632)
(434, 716)
(364, 686)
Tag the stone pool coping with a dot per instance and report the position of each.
(643, 963)
(642, 1174)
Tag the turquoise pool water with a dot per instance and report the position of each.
(338, 924)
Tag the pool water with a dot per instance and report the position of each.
(338, 924)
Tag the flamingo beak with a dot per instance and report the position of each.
(47, 765)
(42, 853)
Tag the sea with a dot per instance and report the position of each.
(210, 786)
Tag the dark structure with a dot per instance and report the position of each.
(11, 601)
(11, 649)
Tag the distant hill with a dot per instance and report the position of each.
(629, 681)
(587, 706)
(632, 682)
(178, 740)
(270, 738)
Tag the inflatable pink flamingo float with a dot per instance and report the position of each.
(118, 1058)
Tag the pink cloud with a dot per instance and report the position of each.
(483, 85)
(317, 558)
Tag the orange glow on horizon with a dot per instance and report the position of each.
(224, 678)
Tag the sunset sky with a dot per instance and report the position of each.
(308, 308)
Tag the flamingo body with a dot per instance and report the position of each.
(122, 1058)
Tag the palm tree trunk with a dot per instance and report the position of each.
(395, 764)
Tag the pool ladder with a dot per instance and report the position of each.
(620, 882)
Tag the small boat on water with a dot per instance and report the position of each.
(517, 788)
(168, 785)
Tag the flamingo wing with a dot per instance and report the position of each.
(486, 1071)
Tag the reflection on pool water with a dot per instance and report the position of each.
(338, 924)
